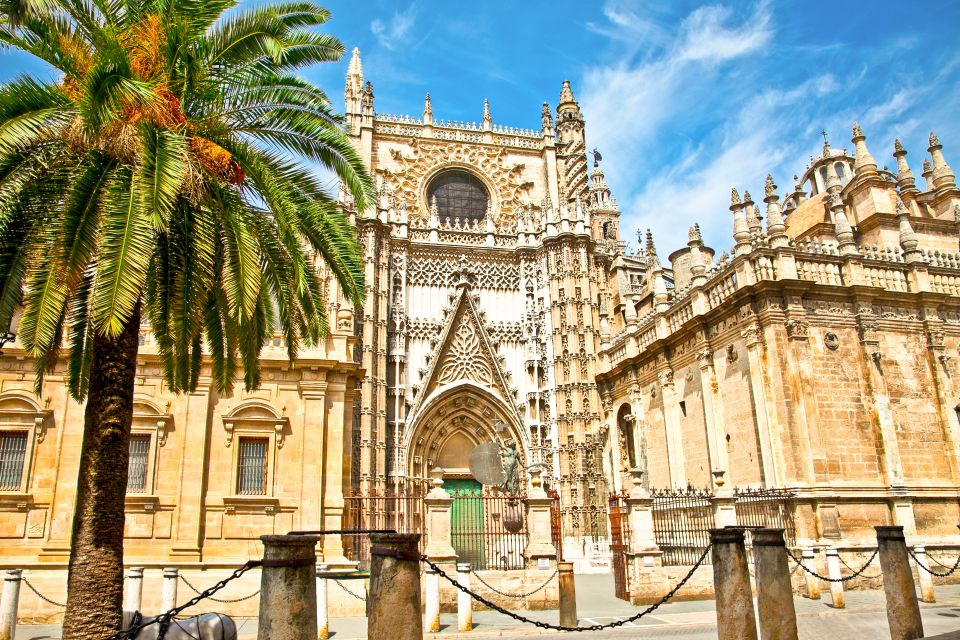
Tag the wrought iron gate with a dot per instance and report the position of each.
(619, 544)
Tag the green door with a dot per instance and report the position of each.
(466, 521)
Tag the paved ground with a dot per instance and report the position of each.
(863, 619)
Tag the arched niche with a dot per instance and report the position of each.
(627, 437)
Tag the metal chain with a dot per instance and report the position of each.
(362, 598)
(516, 595)
(937, 562)
(223, 601)
(849, 568)
(556, 627)
(40, 595)
(164, 619)
(855, 574)
(931, 571)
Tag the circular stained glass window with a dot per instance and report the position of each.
(459, 195)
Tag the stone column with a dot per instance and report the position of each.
(134, 589)
(9, 602)
(764, 413)
(323, 614)
(334, 468)
(731, 583)
(713, 411)
(168, 592)
(926, 578)
(813, 584)
(833, 572)
(903, 612)
(393, 603)
(190, 513)
(540, 541)
(464, 601)
(671, 424)
(778, 618)
(313, 392)
(288, 590)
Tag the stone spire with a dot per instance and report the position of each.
(752, 215)
(928, 173)
(943, 177)
(566, 96)
(487, 120)
(842, 228)
(353, 91)
(864, 164)
(799, 195)
(698, 267)
(653, 261)
(908, 238)
(776, 229)
(427, 111)
(741, 232)
(905, 179)
(546, 121)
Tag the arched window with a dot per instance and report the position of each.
(841, 172)
(459, 195)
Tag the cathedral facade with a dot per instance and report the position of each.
(821, 354)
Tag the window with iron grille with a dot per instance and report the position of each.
(13, 449)
(137, 467)
(252, 467)
(459, 195)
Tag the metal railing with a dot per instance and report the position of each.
(771, 508)
(488, 529)
(401, 513)
(682, 519)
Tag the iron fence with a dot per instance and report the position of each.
(620, 543)
(771, 508)
(682, 519)
(403, 513)
(489, 529)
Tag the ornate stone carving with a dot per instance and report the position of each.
(438, 272)
(831, 341)
(797, 329)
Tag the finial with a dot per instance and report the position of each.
(566, 93)
(596, 157)
(546, 118)
(864, 163)
(427, 110)
(897, 146)
(734, 196)
(927, 167)
(486, 111)
(746, 197)
(650, 246)
(769, 188)
(355, 68)
(857, 132)
(934, 140)
(694, 234)
(826, 143)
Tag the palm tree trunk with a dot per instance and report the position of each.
(95, 581)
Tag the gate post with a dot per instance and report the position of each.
(903, 612)
(393, 604)
(438, 503)
(646, 578)
(731, 583)
(540, 535)
(724, 503)
(8, 603)
(134, 589)
(833, 572)
(778, 618)
(926, 578)
(288, 590)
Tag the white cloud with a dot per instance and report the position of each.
(706, 37)
(394, 32)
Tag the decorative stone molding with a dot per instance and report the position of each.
(256, 416)
(797, 329)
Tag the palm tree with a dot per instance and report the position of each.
(162, 175)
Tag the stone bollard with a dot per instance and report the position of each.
(568, 595)
(168, 592)
(833, 572)
(903, 612)
(926, 578)
(464, 601)
(433, 601)
(778, 618)
(731, 583)
(8, 603)
(134, 589)
(393, 604)
(288, 597)
(323, 615)
(813, 583)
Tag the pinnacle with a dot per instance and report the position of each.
(734, 196)
(897, 146)
(566, 93)
(934, 140)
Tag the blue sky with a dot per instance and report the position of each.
(684, 99)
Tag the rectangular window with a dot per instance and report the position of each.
(137, 467)
(252, 462)
(13, 448)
